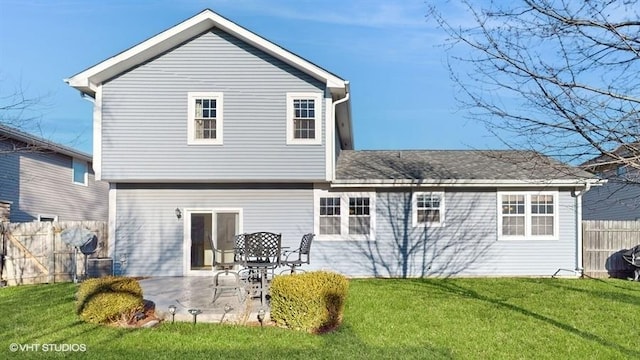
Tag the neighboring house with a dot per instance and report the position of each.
(44, 181)
(208, 129)
(619, 198)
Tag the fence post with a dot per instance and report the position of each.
(51, 254)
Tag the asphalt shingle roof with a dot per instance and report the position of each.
(452, 165)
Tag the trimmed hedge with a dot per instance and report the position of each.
(105, 299)
(312, 301)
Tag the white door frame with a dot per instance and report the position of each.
(186, 242)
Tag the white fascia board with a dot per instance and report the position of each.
(141, 52)
(465, 183)
(182, 32)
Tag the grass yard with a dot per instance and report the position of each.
(384, 319)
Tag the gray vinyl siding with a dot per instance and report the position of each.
(466, 245)
(612, 201)
(42, 184)
(144, 117)
(151, 236)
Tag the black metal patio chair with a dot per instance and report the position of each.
(261, 254)
(298, 257)
(225, 262)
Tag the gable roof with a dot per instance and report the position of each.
(455, 167)
(87, 80)
(38, 143)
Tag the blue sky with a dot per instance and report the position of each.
(402, 97)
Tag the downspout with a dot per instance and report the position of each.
(347, 95)
(578, 195)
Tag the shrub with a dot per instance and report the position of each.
(312, 301)
(103, 300)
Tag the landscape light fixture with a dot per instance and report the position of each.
(261, 314)
(227, 308)
(178, 213)
(172, 311)
(195, 313)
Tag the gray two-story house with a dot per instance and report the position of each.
(209, 130)
(44, 181)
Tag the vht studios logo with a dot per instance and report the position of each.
(48, 347)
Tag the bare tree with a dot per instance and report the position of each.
(17, 109)
(561, 77)
(19, 112)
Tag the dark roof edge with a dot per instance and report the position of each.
(30, 139)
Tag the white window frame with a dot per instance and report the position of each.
(317, 98)
(186, 235)
(85, 182)
(344, 215)
(414, 209)
(191, 108)
(527, 215)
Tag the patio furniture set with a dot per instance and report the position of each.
(254, 258)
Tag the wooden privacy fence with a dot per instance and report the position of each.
(35, 253)
(603, 242)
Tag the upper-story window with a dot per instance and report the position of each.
(304, 118)
(528, 215)
(205, 118)
(80, 172)
(428, 209)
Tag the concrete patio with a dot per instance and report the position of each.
(196, 292)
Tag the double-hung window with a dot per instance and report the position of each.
(304, 120)
(344, 216)
(359, 215)
(329, 220)
(528, 215)
(205, 118)
(427, 209)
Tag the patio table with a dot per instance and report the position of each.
(261, 252)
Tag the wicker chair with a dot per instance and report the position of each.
(296, 258)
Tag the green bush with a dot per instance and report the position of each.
(103, 300)
(312, 301)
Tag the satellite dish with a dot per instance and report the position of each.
(83, 239)
(78, 237)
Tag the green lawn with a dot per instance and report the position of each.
(384, 319)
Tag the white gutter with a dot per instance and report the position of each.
(384, 183)
(345, 98)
